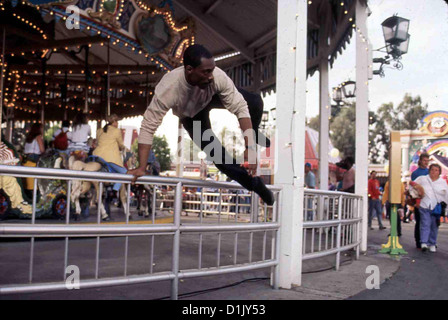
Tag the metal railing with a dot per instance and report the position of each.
(332, 224)
(262, 221)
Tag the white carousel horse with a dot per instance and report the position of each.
(82, 187)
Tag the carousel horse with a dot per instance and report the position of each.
(80, 188)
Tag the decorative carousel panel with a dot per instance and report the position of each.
(153, 33)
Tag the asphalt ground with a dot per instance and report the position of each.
(416, 275)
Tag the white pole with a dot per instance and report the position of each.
(291, 102)
(362, 113)
(180, 151)
(325, 112)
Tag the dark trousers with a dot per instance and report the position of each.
(233, 170)
(417, 227)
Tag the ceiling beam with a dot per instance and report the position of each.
(217, 28)
(264, 38)
(213, 6)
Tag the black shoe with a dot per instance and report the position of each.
(265, 194)
(261, 139)
(107, 219)
(382, 228)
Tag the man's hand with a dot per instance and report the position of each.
(250, 162)
(137, 173)
(143, 155)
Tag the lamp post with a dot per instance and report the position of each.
(349, 89)
(345, 90)
(396, 38)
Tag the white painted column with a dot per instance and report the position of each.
(180, 151)
(362, 113)
(291, 102)
(324, 115)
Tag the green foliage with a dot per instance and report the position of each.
(48, 135)
(314, 123)
(162, 152)
(342, 130)
(406, 116)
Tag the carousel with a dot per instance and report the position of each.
(62, 58)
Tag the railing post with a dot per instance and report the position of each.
(176, 241)
(338, 239)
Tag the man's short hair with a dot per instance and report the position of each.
(194, 54)
(423, 155)
(350, 160)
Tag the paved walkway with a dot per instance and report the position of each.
(414, 276)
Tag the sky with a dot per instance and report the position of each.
(425, 71)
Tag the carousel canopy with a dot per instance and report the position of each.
(64, 57)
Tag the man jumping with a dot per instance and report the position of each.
(191, 91)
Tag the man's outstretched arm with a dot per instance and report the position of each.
(143, 155)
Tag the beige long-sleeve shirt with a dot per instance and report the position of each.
(174, 92)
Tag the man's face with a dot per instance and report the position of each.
(202, 75)
(373, 175)
(307, 169)
(425, 162)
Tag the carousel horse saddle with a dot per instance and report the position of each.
(105, 166)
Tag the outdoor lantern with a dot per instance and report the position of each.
(398, 50)
(395, 30)
(349, 88)
(337, 95)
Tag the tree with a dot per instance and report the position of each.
(162, 152)
(406, 116)
(342, 130)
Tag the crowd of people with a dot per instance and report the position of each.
(423, 201)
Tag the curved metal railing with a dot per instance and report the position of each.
(253, 233)
(332, 224)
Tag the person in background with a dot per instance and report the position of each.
(433, 191)
(310, 183)
(348, 180)
(422, 170)
(310, 178)
(34, 143)
(65, 128)
(80, 134)
(374, 201)
(110, 143)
